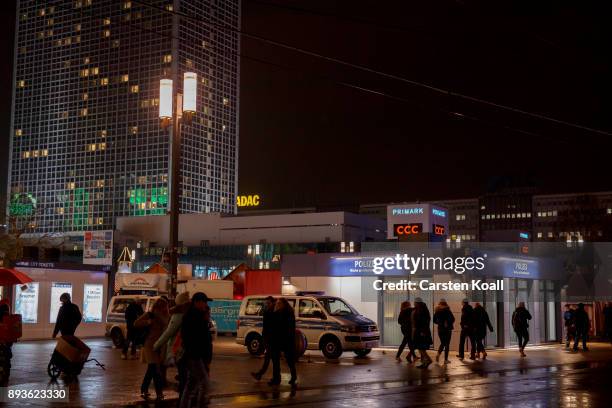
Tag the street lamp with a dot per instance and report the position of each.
(175, 115)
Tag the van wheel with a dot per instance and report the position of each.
(255, 344)
(362, 352)
(331, 347)
(117, 337)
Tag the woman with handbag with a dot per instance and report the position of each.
(155, 323)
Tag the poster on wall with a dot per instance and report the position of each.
(26, 302)
(98, 247)
(57, 288)
(92, 303)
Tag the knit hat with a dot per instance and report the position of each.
(181, 298)
(418, 300)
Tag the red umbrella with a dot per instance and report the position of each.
(13, 277)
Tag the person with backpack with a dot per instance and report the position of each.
(68, 318)
(568, 325)
(520, 324)
(445, 320)
(171, 342)
(481, 322)
(132, 312)
(583, 324)
(467, 331)
(404, 321)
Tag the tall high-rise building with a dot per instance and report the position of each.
(86, 143)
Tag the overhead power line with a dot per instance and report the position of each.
(432, 88)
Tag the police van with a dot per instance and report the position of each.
(329, 323)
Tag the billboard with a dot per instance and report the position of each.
(429, 218)
(92, 303)
(98, 247)
(57, 288)
(26, 302)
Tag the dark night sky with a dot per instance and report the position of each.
(306, 140)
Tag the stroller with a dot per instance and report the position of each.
(69, 357)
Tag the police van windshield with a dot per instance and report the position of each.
(337, 307)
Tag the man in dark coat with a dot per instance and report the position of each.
(481, 323)
(607, 312)
(132, 313)
(283, 340)
(583, 324)
(467, 330)
(68, 317)
(520, 324)
(406, 326)
(421, 333)
(197, 345)
(266, 333)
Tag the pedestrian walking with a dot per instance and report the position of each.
(404, 321)
(481, 324)
(467, 331)
(583, 324)
(154, 322)
(569, 326)
(520, 324)
(421, 333)
(445, 320)
(170, 342)
(266, 334)
(68, 317)
(197, 351)
(132, 312)
(283, 340)
(607, 312)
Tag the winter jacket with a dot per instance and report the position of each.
(404, 320)
(520, 319)
(581, 318)
(421, 334)
(132, 313)
(466, 318)
(196, 336)
(283, 332)
(155, 326)
(268, 323)
(68, 319)
(481, 322)
(167, 339)
(444, 318)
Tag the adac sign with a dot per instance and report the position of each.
(248, 200)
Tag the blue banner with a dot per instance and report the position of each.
(225, 314)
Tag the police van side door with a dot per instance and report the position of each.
(311, 320)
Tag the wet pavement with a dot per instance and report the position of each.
(548, 377)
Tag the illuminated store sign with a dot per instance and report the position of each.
(438, 229)
(407, 211)
(438, 213)
(248, 200)
(407, 229)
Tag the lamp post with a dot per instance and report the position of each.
(175, 115)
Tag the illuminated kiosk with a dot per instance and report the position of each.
(38, 302)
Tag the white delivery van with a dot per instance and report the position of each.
(116, 327)
(329, 323)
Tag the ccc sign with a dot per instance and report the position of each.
(407, 229)
(439, 229)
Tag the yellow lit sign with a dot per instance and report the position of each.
(248, 200)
